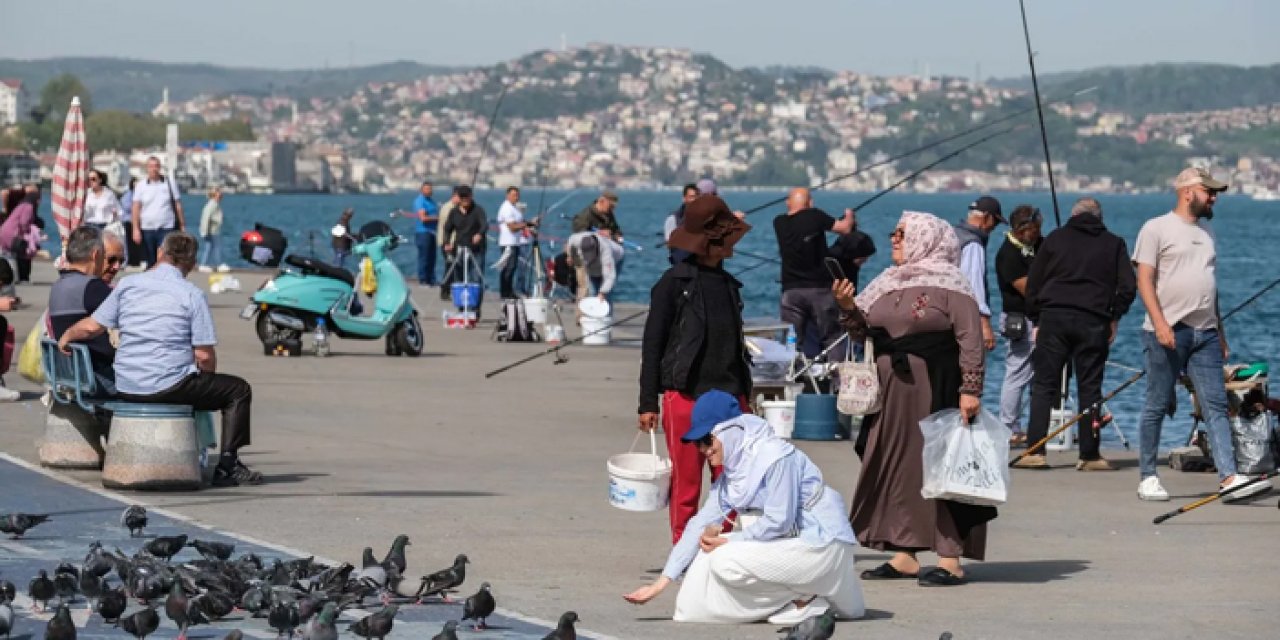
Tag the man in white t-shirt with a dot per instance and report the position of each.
(1176, 258)
(512, 238)
(157, 210)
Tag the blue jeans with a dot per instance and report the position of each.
(1017, 377)
(151, 239)
(426, 242)
(1200, 353)
(340, 258)
(211, 252)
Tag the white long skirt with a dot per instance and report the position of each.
(748, 580)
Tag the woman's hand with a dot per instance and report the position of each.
(647, 592)
(648, 421)
(711, 538)
(969, 406)
(843, 290)
(8, 303)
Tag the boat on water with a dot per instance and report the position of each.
(1266, 194)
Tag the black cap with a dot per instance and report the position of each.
(990, 206)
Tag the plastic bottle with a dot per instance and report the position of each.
(791, 339)
(321, 338)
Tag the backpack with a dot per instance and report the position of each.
(513, 325)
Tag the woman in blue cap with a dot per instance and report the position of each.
(791, 554)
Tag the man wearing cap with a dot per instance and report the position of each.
(973, 231)
(1080, 285)
(693, 342)
(1013, 265)
(599, 215)
(1176, 257)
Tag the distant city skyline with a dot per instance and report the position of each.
(882, 37)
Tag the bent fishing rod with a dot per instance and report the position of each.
(1137, 376)
(1044, 134)
(562, 345)
(493, 123)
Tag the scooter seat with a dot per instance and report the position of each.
(311, 265)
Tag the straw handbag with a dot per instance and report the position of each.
(859, 393)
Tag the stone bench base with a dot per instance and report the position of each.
(72, 439)
(152, 448)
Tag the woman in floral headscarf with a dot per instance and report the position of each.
(924, 322)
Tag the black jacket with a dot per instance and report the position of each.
(467, 226)
(1082, 267)
(674, 334)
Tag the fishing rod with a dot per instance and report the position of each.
(1044, 134)
(556, 349)
(484, 143)
(923, 148)
(1248, 301)
(1203, 501)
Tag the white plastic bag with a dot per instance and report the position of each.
(965, 462)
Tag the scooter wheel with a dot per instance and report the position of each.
(408, 337)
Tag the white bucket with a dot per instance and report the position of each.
(596, 331)
(1065, 441)
(555, 334)
(535, 310)
(781, 415)
(639, 481)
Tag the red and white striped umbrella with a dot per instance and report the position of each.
(70, 173)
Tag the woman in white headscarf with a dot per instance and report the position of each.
(790, 554)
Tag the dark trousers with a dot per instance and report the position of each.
(132, 250)
(507, 279)
(24, 269)
(426, 242)
(1082, 339)
(211, 392)
(151, 239)
(448, 277)
(816, 308)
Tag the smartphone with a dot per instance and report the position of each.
(834, 268)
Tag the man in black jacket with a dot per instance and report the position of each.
(1080, 285)
(693, 342)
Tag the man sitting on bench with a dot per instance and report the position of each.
(78, 292)
(166, 353)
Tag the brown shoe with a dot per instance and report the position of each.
(1094, 465)
(1033, 461)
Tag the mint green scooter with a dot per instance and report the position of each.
(306, 292)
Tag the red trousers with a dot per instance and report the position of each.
(686, 462)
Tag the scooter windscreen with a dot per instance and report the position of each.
(377, 228)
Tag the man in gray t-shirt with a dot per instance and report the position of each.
(1175, 257)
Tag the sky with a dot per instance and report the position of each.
(883, 37)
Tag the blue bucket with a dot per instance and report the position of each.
(816, 418)
(466, 295)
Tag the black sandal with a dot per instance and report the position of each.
(886, 572)
(939, 577)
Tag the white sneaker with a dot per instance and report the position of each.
(1241, 479)
(223, 268)
(9, 395)
(204, 268)
(1151, 489)
(792, 615)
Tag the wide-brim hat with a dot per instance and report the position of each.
(709, 228)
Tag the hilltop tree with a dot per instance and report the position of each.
(55, 97)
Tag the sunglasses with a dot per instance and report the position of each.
(115, 261)
(93, 178)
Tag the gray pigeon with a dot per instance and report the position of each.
(61, 627)
(6, 618)
(564, 630)
(946, 635)
(395, 556)
(377, 625)
(816, 628)
(66, 582)
(7, 591)
(17, 524)
(444, 580)
(372, 574)
(181, 610)
(41, 589)
(166, 547)
(322, 626)
(234, 635)
(212, 549)
(142, 623)
(449, 632)
(479, 606)
(134, 519)
(283, 617)
(111, 604)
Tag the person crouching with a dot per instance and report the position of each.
(166, 353)
(791, 557)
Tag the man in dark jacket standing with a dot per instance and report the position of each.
(1080, 285)
(693, 342)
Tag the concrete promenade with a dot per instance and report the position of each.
(359, 447)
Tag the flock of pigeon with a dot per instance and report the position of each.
(298, 596)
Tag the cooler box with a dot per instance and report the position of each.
(264, 246)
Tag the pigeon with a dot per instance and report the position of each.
(376, 625)
(479, 606)
(255, 600)
(97, 561)
(449, 632)
(234, 635)
(166, 547)
(6, 618)
(440, 582)
(816, 628)
(141, 624)
(215, 604)
(372, 574)
(946, 635)
(564, 630)
(283, 618)
(213, 550)
(395, 556)
(111, 604)
(7, 591)
(322, 626)
(134, 519)
(66, 582)
(17, 524)
(91, 586)
(61, 627)
(41, 589)
(181, 611)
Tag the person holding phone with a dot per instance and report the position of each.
(806, 284)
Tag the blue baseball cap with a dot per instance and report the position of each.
(712, 408)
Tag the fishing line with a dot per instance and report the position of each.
(1044, 134)
(493, 123)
